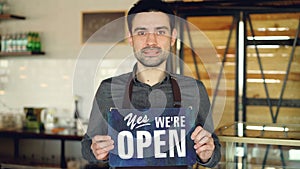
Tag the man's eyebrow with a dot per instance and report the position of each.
(162, 27)
(157, 28)
(139, 29)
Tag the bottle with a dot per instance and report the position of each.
(14, 43)
(37, 43)
(3, 43)
(33, 35)
(29, 42)
(8, 43)
(24, 42)
(34, 39)
(18, 42)
(76, 114)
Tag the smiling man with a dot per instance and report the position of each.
(151, 39)
(152, 31)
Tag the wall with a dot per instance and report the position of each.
(47, 80)
(53, 79)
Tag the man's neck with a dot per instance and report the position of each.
(151, 76)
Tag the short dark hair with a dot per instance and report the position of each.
(150, 6)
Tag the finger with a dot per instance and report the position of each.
(104, 144)
(204, 141)
(100, 138)
(201, 135)
(102, 147)
(205, 148)
(104, 150)
(102, 156)
(195, 132)
(101, 144)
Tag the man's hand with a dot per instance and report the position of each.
(101, 145)
(204, 143)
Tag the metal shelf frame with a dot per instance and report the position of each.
(240, 13)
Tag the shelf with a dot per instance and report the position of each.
(11, 16)
(253, 140)
(28, 166)
(21, 53)
(288, 42)
(274, 102)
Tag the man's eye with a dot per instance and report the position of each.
(161, 32)
(141, 33)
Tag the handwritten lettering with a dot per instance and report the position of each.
(135, 121)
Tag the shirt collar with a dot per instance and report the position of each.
(134, 78)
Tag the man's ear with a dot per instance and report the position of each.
(129, 39)
(174, 37)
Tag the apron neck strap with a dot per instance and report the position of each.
(175, 89)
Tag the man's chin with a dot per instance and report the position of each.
(152, 65)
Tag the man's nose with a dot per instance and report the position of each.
(151, 39)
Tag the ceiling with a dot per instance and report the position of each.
(190, 6)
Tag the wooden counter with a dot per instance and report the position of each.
(66, 135)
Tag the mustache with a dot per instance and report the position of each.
(151, 48)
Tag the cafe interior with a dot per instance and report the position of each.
(54, 54)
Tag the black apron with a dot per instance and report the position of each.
(177, 104)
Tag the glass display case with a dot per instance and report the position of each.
(269, 146)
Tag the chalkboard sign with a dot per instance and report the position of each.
(107, 27)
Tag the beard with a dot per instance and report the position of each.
(152, 56)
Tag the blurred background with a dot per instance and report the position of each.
(246, 53)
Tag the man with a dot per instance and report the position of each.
(152, 34)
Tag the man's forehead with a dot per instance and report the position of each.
(151, 20)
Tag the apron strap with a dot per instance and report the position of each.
(128, 94)
(176, 93)
(175, 89)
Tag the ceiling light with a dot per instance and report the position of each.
(273, 29)
(261, 80)
(265, 46)
(268, 38)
